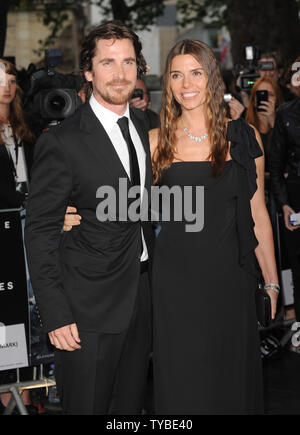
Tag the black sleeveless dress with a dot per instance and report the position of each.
(206, 345)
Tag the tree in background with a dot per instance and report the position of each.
(53, 13)
(137, 14)
(268, 24)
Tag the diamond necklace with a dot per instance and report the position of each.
(195, 138)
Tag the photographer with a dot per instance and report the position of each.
(276, 73)
(265, 100)
(16, 141)
(233, 98)
(285, 179)
(50, 96)
(141, 100)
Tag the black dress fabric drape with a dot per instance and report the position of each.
(206, 343)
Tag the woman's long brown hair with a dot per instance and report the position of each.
(16, 116)
(171, 110)
(251, 115)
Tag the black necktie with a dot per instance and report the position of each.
(134, 165)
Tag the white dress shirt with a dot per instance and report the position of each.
(109, 120)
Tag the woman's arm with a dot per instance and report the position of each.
(265, 252)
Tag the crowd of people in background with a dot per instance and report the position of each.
(278, 122)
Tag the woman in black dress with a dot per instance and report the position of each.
(206, 344)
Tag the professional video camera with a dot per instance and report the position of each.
(51, 96)
(249, 74)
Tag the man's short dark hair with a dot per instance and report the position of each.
(276, 55)
(111, 30)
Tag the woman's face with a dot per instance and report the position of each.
(8, 88)
(188, 81)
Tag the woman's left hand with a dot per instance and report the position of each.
(71, 219)
(274, 298)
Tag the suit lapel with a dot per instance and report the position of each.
(100, 144)
(143, 134)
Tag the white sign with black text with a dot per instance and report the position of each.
(13, 348)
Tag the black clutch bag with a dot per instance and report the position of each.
(263, 307)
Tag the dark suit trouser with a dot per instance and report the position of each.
(109, 374)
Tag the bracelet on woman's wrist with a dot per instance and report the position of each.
(272, 286)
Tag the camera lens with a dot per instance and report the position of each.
(57, 103)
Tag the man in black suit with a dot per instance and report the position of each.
(92, 284)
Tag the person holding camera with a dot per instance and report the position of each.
(276, 73)
(233, 97)
(265, 100)
(140, 100)
(16, 150)
(285, 179)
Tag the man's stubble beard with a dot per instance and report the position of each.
(117, 97)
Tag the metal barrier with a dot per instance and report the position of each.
(18, 387)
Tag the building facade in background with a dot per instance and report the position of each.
(165, 33)
(26, 29)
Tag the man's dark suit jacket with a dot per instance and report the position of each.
(9, 197)
(89, 275)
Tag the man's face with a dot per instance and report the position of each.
(114, 72)
(274, 73)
